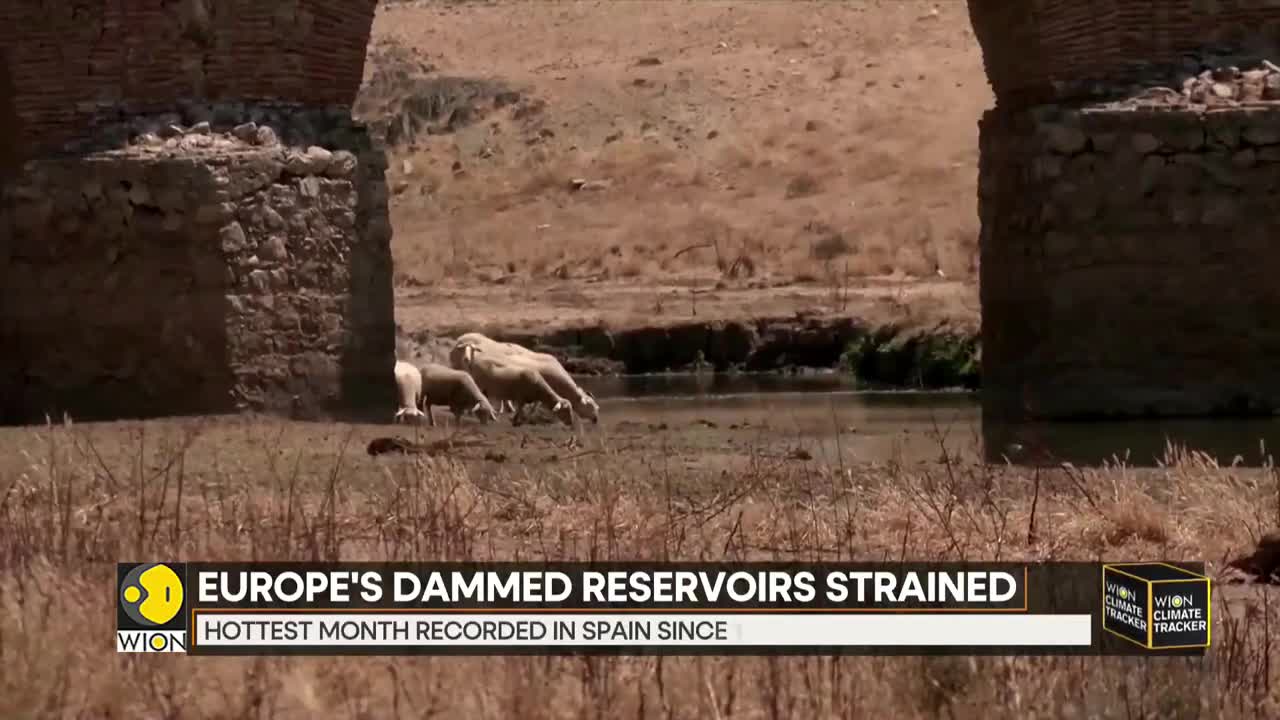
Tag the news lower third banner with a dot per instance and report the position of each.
(1149, 608)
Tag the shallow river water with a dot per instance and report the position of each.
(827, 411)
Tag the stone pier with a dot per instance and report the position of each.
(1128, 266)
(1128, 179)
(212, 269)
(198, 224)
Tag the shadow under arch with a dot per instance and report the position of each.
(10, 161)
(10, 124)
(1147, 442)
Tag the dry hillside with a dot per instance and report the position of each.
(737, 146)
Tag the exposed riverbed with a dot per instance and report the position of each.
(831, 418)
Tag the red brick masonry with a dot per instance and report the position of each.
(1028, 46)
(72, 59)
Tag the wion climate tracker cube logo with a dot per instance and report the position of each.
(151, 608)
(1156, 605)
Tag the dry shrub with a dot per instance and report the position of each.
(75, 499)
(802, 185)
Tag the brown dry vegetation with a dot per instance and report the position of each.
(749, 144)
(75, 499)
(795, 142)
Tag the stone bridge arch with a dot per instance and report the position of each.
(200, 226)
(1127, 256)
(9, 129)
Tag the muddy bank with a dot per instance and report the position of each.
(941, 356)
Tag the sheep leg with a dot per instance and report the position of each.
(517, 416)
(431, 418)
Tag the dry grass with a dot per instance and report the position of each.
(726, 131)
(75, 499)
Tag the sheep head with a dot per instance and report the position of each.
(484, 413)
(589, 409)
(563, 410)
(468, 355)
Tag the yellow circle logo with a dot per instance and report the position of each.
(1177, 601)
(1124, 593)
(151, 594)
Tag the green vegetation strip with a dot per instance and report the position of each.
(926, 361)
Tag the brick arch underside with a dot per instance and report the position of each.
(8, 121)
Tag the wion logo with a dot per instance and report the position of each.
(1156, 605)
(151, 607)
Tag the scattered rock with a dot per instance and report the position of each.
(259, 281)
(313, 161)
(1261, 135)
(274, 248)
(1145, 143)
(169, 131)
(648, 61)
(245, 131)
(216, 212)
(577, 184)
(1223, 90)
(1211, 80)
(309, 186)
(266, 137)
(318, 158)
(1271, 87)
(200, 128)
(341, 164)
(1067, 139)
(232, 238)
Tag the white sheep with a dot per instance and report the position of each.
(457, 357)
(455, 389)
(547, 365)
(519, 385)
(409, 382)
(460, 360)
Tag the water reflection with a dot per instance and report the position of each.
(909, 426)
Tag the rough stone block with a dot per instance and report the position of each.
(215, 296)
(1134, 282)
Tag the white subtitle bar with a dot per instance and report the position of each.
(228, 629)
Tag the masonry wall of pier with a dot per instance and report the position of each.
(1125, 180)
(193, 222)
(1128, 262)
(77, 64)
(200, 271)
